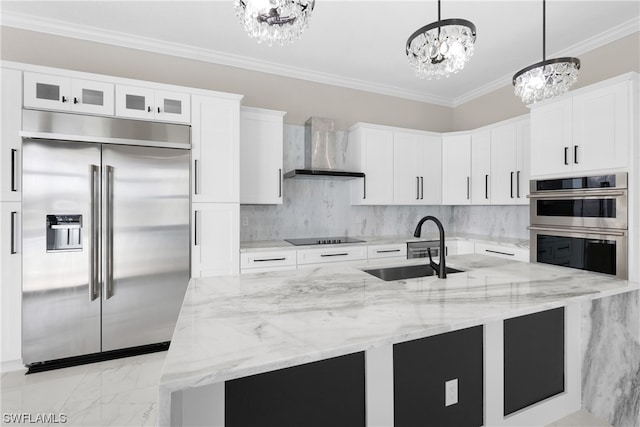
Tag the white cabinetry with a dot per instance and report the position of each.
(10, 142)
(10, 281)
(586, 131)
(215, 239)
(150, 104)
(47, 91)
(256, 262)
(371, 151)
(456, 169)
(509, 170)
(215, 151)
(500, 251)
(417, 164)
(386, 252)
(340, 254)
(480, 166)
(261, 142)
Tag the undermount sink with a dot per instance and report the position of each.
(407, 272)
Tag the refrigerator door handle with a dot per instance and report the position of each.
(108, 280)
(94, 171)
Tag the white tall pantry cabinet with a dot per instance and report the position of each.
(10, 216)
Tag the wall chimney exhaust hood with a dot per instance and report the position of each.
(322, 157)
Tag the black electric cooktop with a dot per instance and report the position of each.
(323, 240)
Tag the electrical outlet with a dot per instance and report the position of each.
(245, 221)
(451, 392)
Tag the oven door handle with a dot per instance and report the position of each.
(575, 195)
(608, 231)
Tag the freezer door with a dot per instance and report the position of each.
(145, 243)
(60, 301)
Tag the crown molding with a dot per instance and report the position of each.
(611, 35)
(83, 32)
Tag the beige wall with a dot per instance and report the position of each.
(613, 59)
(301, 99)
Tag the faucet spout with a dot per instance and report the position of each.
(442, 267)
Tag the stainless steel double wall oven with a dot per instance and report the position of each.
(581, 222)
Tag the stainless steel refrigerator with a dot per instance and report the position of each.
(105, 233)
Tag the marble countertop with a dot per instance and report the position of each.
(270, 245)
(236, 326)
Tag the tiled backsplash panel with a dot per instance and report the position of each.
(319, 207)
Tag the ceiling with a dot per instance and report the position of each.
(357, 44)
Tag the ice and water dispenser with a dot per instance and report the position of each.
(64, 233)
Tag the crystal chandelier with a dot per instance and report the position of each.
(441, 48)
(274, 20)
(547, 78)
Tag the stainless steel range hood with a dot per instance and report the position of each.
(322, 158)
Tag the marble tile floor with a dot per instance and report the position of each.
(120, 392)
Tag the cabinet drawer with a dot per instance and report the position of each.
(334, 254)
(507, 252)
(387, 251)
(268, 259)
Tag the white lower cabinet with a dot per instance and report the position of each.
(315, 257)
(502, 251)
(385, 252)
(10, 281)
(257, 262)
(215, 243)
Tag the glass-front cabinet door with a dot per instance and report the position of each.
(135, 102)
(46, 91)
(173, 106)
(92, 97)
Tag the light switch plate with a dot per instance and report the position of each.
(451, 392)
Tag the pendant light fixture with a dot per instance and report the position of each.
(547, 78)
(441, 48)
(274, 20)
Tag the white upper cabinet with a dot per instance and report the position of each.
(417, 167)
(261, 154)
(10, 140)
(509, 171)
(371, 151)
(481, 166)
(456, 169)
(53, 92)
(150, 104)
(587, 131)
(215, 150)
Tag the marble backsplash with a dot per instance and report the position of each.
(611, 359)
(321, 207)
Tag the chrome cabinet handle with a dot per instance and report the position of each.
(64, 99)
(158, 110)
(518, 184)
(575, 154)
(340, 254)
(148, 109)
(417, 188)
(75, 100)
(94, 262)
(566, 154)
(387, 251)
(14, 233)
(195, 176)
(422, 187)
(269, 259)
(109, 233)
(14, 170)
(279, 182)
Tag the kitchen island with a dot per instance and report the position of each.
(238, 326)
